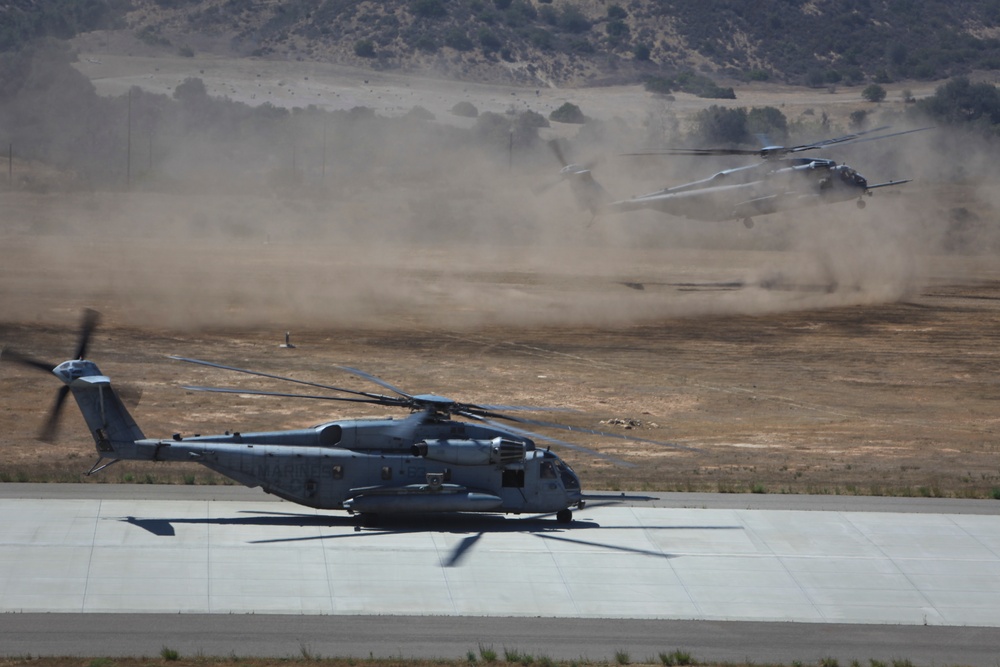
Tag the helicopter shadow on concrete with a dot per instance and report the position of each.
(473, 526)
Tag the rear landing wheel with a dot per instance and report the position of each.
(748, 223)
(564, 516)
(861, 203)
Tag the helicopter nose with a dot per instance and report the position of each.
(861, 181)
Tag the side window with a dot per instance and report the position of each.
(386, 473)
(338, 472)
(513, 479)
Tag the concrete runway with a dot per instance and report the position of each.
(851, 578)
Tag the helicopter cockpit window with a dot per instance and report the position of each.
(548, 471)
(569, 478)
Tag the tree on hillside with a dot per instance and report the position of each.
(960, 102)
(722, 126)
(873, 93)
(768, 122)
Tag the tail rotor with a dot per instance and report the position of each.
(90, 320)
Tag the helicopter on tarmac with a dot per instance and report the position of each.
(779, 183)
(427, 462)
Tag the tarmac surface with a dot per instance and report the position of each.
(726, 583)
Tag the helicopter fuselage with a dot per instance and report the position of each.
(366, 466)
(758, 189)
(424, 463)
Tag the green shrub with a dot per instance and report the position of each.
(364, 48)
(465, 109)
(568, 113)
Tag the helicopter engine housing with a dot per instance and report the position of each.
(471, 452)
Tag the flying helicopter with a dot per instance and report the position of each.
(427, 462)
(780, 182)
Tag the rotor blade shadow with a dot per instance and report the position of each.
(165, 527)
(587, 543)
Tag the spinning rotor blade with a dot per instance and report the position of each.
(25, 360)
(836, 140)
(48, 432)
(377, 380)
(520, 408)
(556, 148)
(886, 136)
(90, 320)
(384, 400)
(697, 152)
(566, 427)
(375, 397)
(129, 393)
(777, 151)
(427, 406)
(556, 441)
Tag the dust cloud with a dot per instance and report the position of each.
(409, 222)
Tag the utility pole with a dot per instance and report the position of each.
(128, 146)
(324, 150)
(510, 152)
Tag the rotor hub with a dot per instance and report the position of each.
(68, 371)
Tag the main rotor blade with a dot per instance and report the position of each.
(90, 320)
(25, 360)
(48, 432)
(377, 380)
(696, 152)
(580, 429)
(557, 149)
(886, 136)
(836, 140)
(556, 441)
(518, 408)
(281, 377)
(384, 400)
(771, 151)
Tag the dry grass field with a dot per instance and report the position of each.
(831, 351)
(784, 379)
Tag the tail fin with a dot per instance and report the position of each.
(110, 423)
(590, 195)
(588, 192)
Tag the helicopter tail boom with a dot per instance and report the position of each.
(887, 184)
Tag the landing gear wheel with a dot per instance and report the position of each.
(564, 516)
(748, 222)
(861, 203)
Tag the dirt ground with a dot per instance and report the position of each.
(827, 351)
(781, 376)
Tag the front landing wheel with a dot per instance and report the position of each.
(861, 203)
(564, 516)
(748, 222)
